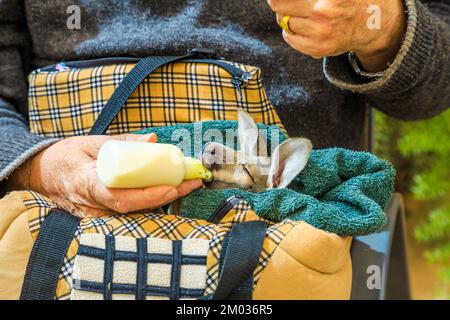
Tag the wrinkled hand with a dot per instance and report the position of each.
(66, 173)
(332, 27)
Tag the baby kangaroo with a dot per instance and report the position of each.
(250, 168)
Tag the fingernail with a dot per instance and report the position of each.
(149, 137)
(152, 137)
(171, 195)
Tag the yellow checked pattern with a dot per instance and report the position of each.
(160, 226)
(67, 103)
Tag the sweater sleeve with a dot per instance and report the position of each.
(17, 144)
(417, 84)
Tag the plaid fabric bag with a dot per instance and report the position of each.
(129, 94)
(144, 256)
(119, 95)
(151, 255)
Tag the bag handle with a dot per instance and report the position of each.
(47, 255)
(240, 256)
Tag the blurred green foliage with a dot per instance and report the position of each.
(420, 151)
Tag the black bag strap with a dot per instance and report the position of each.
(47, 255)
(127, 86)
(240, 254)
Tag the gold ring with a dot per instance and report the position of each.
(284, 24)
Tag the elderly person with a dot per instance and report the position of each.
(333, 59)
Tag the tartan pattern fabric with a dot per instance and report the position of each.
(274, 235)
(67, 103)
(159, 226)
(115, 267)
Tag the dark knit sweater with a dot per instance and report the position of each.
(322, 100)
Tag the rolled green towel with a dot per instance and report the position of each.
(339, 191)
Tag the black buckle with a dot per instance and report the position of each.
(205, 53)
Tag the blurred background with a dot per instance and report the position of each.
(420, 152)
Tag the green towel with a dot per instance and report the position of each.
(339, 191)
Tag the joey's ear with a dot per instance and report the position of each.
(250, 141)
(288, 160)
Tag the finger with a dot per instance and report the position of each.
(187, 187)
(297, 8)
(310, 47)
(126, 200)
(303, 26)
